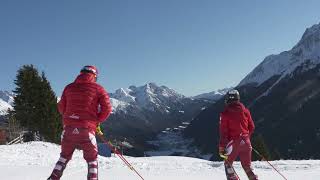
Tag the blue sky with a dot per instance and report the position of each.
(192, 46)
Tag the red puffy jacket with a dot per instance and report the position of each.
(84, 103)
(235, 121)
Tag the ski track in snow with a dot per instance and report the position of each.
(35, 161)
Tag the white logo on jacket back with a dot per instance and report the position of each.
(73, 116)
(75, 131)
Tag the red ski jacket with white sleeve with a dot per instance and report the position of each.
(235, 121)
(84, 103)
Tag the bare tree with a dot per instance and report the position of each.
(13, 127)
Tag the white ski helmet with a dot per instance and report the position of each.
(90, 69)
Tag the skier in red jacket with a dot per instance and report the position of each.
(84, 105)
(236, 128)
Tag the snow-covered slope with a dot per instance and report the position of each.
(214, 95)
(6, 101)
(171, 142)
(306, 53)
(34, 161)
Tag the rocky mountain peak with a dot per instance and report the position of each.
(307, 51)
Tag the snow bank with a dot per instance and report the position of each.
(35, 160)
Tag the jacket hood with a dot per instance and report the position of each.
(235, 107)
(85, 78)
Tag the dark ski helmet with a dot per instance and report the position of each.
(90, 69)
(231, 96)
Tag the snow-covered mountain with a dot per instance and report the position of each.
(283, 95)
(214, 95)
(6, 102)
(35, 161)
(150, 97)
(143, 112)
(306, 53)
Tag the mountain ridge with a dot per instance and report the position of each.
(305, 51)
(282, 93)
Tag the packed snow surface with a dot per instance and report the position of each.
(35, 160)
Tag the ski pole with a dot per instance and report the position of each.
(264, 159)
(119, 155)
(225, 158)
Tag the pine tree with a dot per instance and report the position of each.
(35, 104)
(51, 119)
(259, 144)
